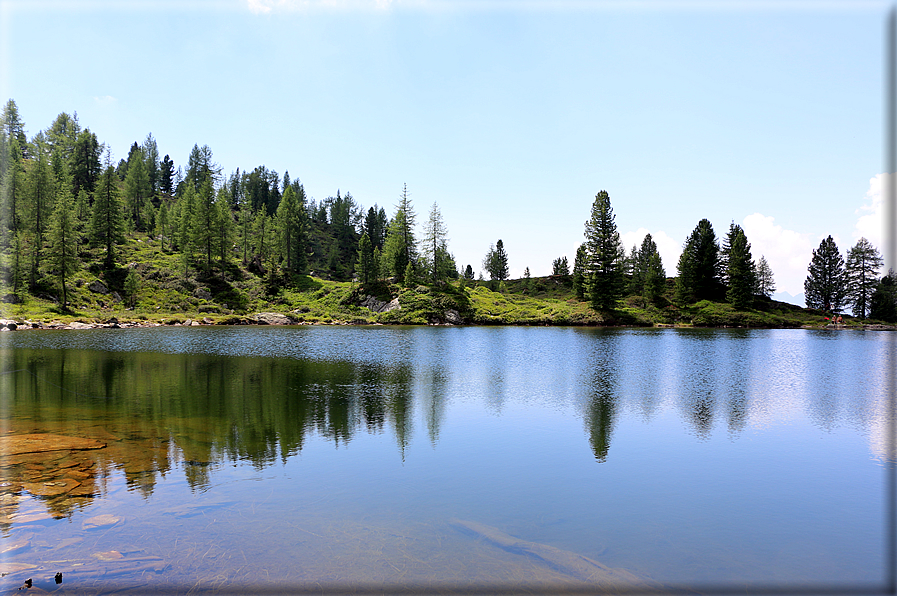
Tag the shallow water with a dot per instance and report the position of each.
(328, 458)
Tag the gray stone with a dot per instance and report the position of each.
(453, 317)
(202, 294)
(116, 297)
(79, 325)
(98, 287)
(273, 318)
(8, 324)
(375, 305)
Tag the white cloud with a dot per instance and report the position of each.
(871, 225)
(668, 248)
(787, 252)
(105, 100)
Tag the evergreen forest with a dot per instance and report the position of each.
(85, 239)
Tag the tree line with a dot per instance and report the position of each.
(64, 203)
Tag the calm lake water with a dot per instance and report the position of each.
(332, 458)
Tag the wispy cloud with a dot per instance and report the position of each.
(105, 100)
(870, 224)
(787, 252)
(668, 248)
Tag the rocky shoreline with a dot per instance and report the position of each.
(272, 318)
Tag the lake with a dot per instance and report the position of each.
(327, 459)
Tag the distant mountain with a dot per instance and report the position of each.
(797, 299)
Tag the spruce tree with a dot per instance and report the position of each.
(604, 255)
(739, 269)
(496, 262)
(861, 273)
(825, 287)
(698, 268)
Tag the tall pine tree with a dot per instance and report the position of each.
(604, 255)
(825, 287)
(861, 275)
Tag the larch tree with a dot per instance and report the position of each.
(63, 251)
(604, 255)
(291, 228)
(434, 244)
(107, 224)
(203, 224)
(825, 287)
(764, 279)
(40, 195)
(861, 275)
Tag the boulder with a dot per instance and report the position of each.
(273, 318)
(8, 324)
(453, 317)
(98, 287)
(11, 299)
(202, 294)
(375, 305)
(79, 325)
(116, 297)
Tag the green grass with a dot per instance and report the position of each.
(229, 294)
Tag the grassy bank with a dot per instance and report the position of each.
(153, 285)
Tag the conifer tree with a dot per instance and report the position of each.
(224, 226)
(40, 195)
(861, 276)
(698, 268)
(107, 226)
(434, 245)
(291, 227)
(137, 190)
(579, 272)
(604, 255)
(468, 272)
(560, 266)
(766, 284)
(496, 262)
(365, 266)
(203, 225)
(883, 305)
(63, 252)
(739, 268)
(825, 287)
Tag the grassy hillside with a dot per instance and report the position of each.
(162, 288)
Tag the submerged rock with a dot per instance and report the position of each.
(100, 521)
(41, 442)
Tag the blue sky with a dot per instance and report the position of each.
(510, 115)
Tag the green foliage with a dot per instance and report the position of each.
(648, 274)
(604, 255)
(883, 305)
(861, 276)
(766, 284)
(365, 266)
(496, 262)
(825, 287)
(579, 272)
(560, 266)
(739, 269)
(63, 253)
(699, 267)
(434, 247)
